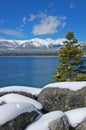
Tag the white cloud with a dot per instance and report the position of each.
(72, 5)
(38, 16)
(42, 15)
(21, 27)
(32, 17)
(12, 32)
(21, 30)
(24, 20)
(62, 17)
(63, 24)
(45, 24)
(48, 24)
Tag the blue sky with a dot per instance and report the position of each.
(26, 19)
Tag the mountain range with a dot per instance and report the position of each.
(30, 47)
(34, 46)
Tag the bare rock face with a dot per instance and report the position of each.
(20, 122)
(59, 124)
(62, 99)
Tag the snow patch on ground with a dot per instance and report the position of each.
(31, 90)
(43, 122)
(19, 98)
(74, 86)
(11, 110)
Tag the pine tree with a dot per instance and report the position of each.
(72, 66)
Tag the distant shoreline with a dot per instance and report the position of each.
(1, 55)
(29, 54)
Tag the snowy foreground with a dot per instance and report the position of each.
(16, 104)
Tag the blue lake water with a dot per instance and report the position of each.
(34, 71)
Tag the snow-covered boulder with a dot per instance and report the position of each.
(19, 98)
(57, 120)
(26, 91)
(15, 116)
(43, 122)
(74, 86)
(63, 96)
(82, 125)
(76, 118)
(59, 124)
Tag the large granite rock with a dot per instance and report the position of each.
(20, 122)
(59, 124)
(62, 99)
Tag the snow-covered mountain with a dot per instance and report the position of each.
(32, 46)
